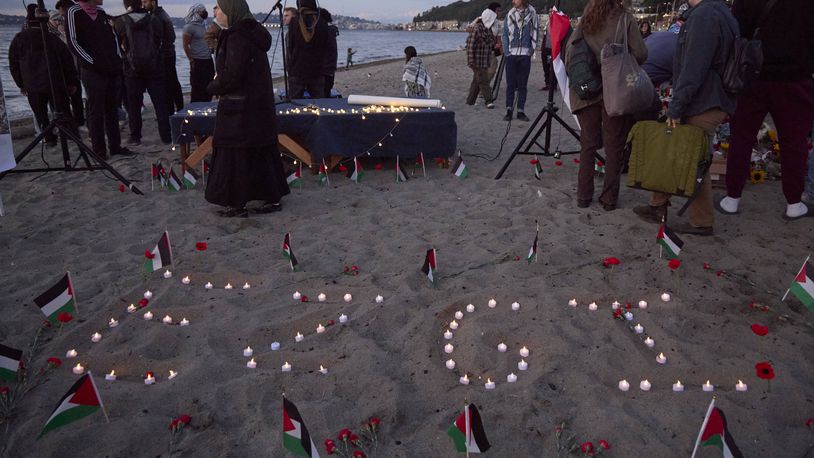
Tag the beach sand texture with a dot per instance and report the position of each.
(388, 360)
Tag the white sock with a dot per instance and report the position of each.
(795, 210)
(730, 204)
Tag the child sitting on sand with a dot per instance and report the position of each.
(416, 78)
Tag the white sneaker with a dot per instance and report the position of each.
(490, 105)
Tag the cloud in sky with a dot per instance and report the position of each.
(390, 11)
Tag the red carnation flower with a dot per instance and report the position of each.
(617, 313)
(375, 420)
(342, 168)
(343, 435)
(439, 160)
(764, 370)
(200, 246)
(607, 262)
(148, 254)
(576, 161)
(587, 447)
(707, 266)
(4, 390)
(46, 323)
(330, 447)
(720, 273)
(674, 263)
(760, 330)
(558, 163)
(121, 188)
(173, 424)
(329, 442)
(604, 444)
(143, 303)
(378, 166)
(185, 419)
(517, 258)
(55, 362)
(628, 305)
(534, 162)
(353, 438)
(600, 164)
(304, 298)
(810, 422)
(64, 317)
(358, 454)
(331, 322)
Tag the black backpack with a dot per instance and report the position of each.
(745, 59)
(584, 72)
(143, 48)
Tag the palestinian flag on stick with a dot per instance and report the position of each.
(288, 252)
(9, 362)
(467, 432)
(538, 169)
(430, 265)
(295, 435)
(59, 298)
(173, 183)
(714, 432)
(322, 177)
(669, 241)
(599, 166)
(356, 172)
(295, 179)
(161, 254)
(803, 285)
(532, 257)
(80, 401)
(401, 175)
(190, 178)
(459, 169)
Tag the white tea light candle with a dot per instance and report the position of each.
(450, 364)
(148, 316)
(678, 387)
(448, 348)
(148, 294)
(492, 303)
(286, 367)
(624, 385)
(322, 297)
(459, 315)
(184, 322)
(96, 337)
(185, 280)
(665, 297)
(644, 385)
(251, 364)
(111, 377)
(523, 365)
(448, 334)
(501, 347)
(661, 359)
(167, 274)
(453, 325)
(275, 346)
(511, 378)
(248, 351)
(708, 386)
(296, 296)
(71, 353)
(113, 323)
(741, 386)
(348, 297)
(470, 308)
(78, 369)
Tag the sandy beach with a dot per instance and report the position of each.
(388, 360)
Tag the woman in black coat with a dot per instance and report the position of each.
(246, 164)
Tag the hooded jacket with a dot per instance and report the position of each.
(93, 41)
(139, 20)
(27, 62)
(246, 117)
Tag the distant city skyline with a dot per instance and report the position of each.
(386, 11)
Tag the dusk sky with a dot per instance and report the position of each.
(391, 11)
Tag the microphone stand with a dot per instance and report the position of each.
(279, 6)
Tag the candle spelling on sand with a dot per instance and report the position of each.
(323, 370)
(624, 385)
(453, 325)
(298, 337)
(96, 337)
(148, 316)
(113, 323)
(320, 328)
(167, 274)
(644, 385)
(184, 322)
(111, 377)
(511, 378)
(251, 364)
(741, 386)
(448, 348)
(448, 334)
(708, 386)
(286, 367)
(185, 280)
(470, 308)
(490, 385)
(78, 369)
(248, 351)
(492, 303)
(450, 364)
(148, 294)
(71, 353)
(661, 359)
(678, 387)
(501, 347)
(322, 297)
(464, 380)
(523, 365)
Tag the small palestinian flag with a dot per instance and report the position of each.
(190, 178)
(288, 252)
(59, 298)
(161, 254)
(173, 183)
(599, 166)
(420, 160)
(401, 175)
(669, 241)
(153, 174)
(467, 432)
(9, 362)
(714, 432)
(162, 174)
(295, 435)
(80, 401)
(532, 257)
(538, 169)
(295, 179)
(459, 169)
(430, 265)
(322, 176)
(356, 172)
(803, 285)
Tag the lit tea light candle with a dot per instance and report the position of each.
(572, 302)
(111, 377)
(515, 306)
(172, 375)
(450, 364)
(708, 386)
(113, 323)
(248, 351)
(511, 378)
(131, 308)
(167, 319)
(629, 316)
(298, 337)
(592, 306)
(678, 387)
(320, 328)
(459, 315)
(501, 347)
(490, 385)
(251, 364)
(275, 346)
(247, 285)
(148, 294)
(323, 370)
(448, 348)
(624, 385)
(185, 280)
(524, 352)
(665, 297)
(379, 299)
(470, 308)
(741, 386)
(296, 296)
(343, 318)
(184, 322)
(78, 369)
(148, 316)
(348, 297)
(71, 353)
(453, 325)
(661, 359)
(448, 334)
(638, 329)
(228, 286)
(149, 380)
(96, 337)
(208, 285)
(645, 385)
(615, 305)
(650, 342)
(642, 304)
(492, 303)
(286, 367)
(167, 274)
(522, 365)
(464, 380)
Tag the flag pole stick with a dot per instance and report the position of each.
(73, 293)
(703, 427)
(152, 178)
(537, 254)
(397, 168)
(98, 395)
(423, 166)
(798, 272)
(468, 426)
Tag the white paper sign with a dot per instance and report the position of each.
(7, 161)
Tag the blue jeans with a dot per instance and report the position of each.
(517, 76)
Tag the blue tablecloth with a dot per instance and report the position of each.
(431, 131)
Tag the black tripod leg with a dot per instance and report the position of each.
(30, 147)
(520, 145)
(85, 149)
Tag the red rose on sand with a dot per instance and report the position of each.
(378, 166)
(604, 444)
(628, 306)
(517, 258)
(558, 163)
(342, 168)
(760, 330)
(607, 262)
(617, 313)
(375, 421)
(148, 254)
(64, 317)
(343, 435)
(330, 447)
(121, 188)
(353, 438)
(56, 362)
(185, 419)
(200, 246)
(810, 422)
(329, 442)
(587, 447)
(46, 323)
(534, 162)
(358, 454)
(720, 273)
(143, 303)
(173, 424)
(4, 390)
(752, 305)
(331, 322)
(707, 266)
(304, 298)
(576, 161)
(764, 370)
(674, 263)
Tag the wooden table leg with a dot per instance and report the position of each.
(294, 148)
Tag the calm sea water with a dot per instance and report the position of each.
(370, 46)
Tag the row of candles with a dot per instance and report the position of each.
(322, 297)
(678, 387)
(665, 297)
(186, 280)
(79, 369)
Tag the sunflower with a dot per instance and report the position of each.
(757, 176)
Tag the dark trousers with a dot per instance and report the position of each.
(175, 97)
(102, 116)
(135, 98)
(517, 77)
(315, 87)
(78, 107)
(329, 84)
(792, 108)
(479, 84)
(39, 105)
(600, 130)
(201, 72)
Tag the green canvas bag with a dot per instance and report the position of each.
(671, 161)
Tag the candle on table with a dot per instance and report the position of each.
(501, 347)
(615, 305)
(343, 318)
(167, 319)
(522, 365)
(379, 299)
(322, 297)
(470, 308)
(708, 386)
(741, 386)
(251, 364)
(172, 375)
(642, 304)
(184, 322)
(185, 280)
(572, 302)
(208, 285)
(624, 385)
(148, 294)
(113, 323)
(149, 380)
(320, 328)
(248, 351)
(661, 359)
(490, 385)
(95, 337)
(453, 325)
(511, 378)
(592, 306)
(228, 286)
(524, 352)
(148, 316)
(78, 369)
(71, 353)
(464, 380)
(459, 315)
(448, 334)
(448, 348)
(665, 297)
(515, 306)
(650, 342)
(246, 285)
(131, 308)
(298, 337)
(492, 303)
(323, 370)
(644, 385)
(296, 296)
(286, 367)
(450, 364)
(275, 346)
(111, 377)
(638, 328)
(167, 274)
(348, 297)
(678, 387)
